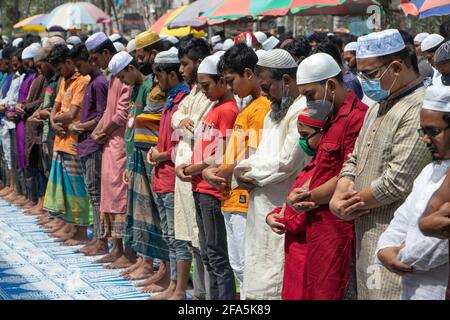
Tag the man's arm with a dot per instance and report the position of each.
(67, 117)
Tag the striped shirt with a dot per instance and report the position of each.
(388, 157)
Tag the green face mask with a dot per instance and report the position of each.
(303, 142)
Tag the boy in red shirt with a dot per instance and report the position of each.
(217, 125)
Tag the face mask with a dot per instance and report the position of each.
(372, 88)
(304, 144)
(322, 104)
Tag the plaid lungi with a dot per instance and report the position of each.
(143, 231)
(66, 196)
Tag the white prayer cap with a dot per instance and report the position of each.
(216, 39)
(30, 51)
(73, 40)
(95, 40)
(5, 39)
(131, 46)
(43, 40)
(277, 59)
(317, 67)
(172, 39)
(270, 43)
(442, 53)
(377, 44)
(260, 53)
(119, 46)
(432, 41)
(228, 44)
(40, 55)
(351, 46)
(421, 36)
(169, 56)
(218, 47)
(260, 36)
(114, 37)
(437, 98)
(210, 63)
(17, 42)
(119, 61)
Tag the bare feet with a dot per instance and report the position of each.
(64, 233)
(158, 286)
(144, 271)
(111, 257)
(178, 296)
(122, 262)
(155, 277)
(28, 205)
(99, 247)
(74, 242)
(133, 267)
(166, 294)
(19, 201)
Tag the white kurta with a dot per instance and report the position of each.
(275, 165)
(12, 97)
(428, 256)
(195, 106)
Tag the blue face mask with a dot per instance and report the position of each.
(372, 88)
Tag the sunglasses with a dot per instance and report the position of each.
(431, 132)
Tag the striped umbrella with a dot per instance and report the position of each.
(75, 14)
(429, 8)
(233, 9)
(162, 22)
(317, 7)
(30, 22)
(190, 16)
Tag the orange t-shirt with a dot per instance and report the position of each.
(70, 93)
(246, 134)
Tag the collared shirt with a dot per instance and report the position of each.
(428, 256)
(70, 93)
(94, 105)
(388, 156)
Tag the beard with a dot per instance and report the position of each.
(146, 68)
(281, 107)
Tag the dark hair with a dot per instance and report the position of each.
(329, 48)
(446, 117)
(18, 54)
(444, 29)
(30, 39)
(277, 74)
(133, 63)
(237, 59)
(168, 68)
(408, 39)
(158, 46)
(300, 47)
(79, 52)
(347, 38)
(194, 49)
(286, 36)
(106, 45)
(337, 41)
(166, 45)
(8, 52)
(59, 54)
(407, 55)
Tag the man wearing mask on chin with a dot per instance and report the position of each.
(269, 173)
(320, 79)
(388, 155)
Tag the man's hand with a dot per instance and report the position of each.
(59, 129)
(100, 137)
(180, 173)
(3, 108)
(300, 200)
(346, 205)
(271, 220)
(244, 182)
(389, 259)
(210, 176)
(187, 124)
(75, 129)
(125, 177)
(19, 108)
(437, 224)
(11, 116)
(44, 114)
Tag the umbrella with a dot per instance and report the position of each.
(33, 23)
(190, 16)
(159, 25)
(233, 9)
(73, 14)
(429, 8)
(318, 7)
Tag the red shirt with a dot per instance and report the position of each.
(164, 178)
(331, 239)
(218, 123)
(295, 245)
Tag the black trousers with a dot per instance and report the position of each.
(213, 247)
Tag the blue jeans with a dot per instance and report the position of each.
(178, 249)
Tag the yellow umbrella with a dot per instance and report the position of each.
(160, 26)
(31, 24)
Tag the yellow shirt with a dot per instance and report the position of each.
(70, 93)
(246, 134)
